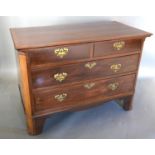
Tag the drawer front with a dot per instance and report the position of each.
(84, 71)
(116, 47)
(77, 94)
(59, 54)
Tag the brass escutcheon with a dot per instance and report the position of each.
(119, 45)
(60, 97)
(113, 86)
(60, 76)
(90, 65)
(115, 67)
(61, 52)
(89, 85)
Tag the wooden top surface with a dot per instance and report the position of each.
(34, 37)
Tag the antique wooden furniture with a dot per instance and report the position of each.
(69, 67)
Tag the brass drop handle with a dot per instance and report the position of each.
(89, 85)
(60, 76)
(61, 52)
(113, 86)
(60, 97)
(115, 67)
(90, 65)
(119, 45)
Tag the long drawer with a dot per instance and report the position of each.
(84, 71)
(78, 94)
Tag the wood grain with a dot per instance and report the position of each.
(78, 72)
(35, 37)
(24, 85)
(45, 99)
(106, 47)
(45, 56)
(34, 125)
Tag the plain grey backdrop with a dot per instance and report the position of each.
(105, 121)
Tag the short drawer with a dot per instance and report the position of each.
(116, 47)
(84, 71)
(86, 91)
(59, 54)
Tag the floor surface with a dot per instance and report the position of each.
(105, 121)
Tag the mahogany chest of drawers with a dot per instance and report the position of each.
(71, 67)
